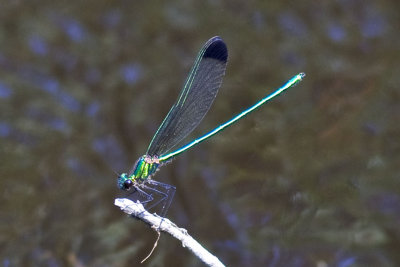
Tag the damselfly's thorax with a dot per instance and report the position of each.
(144, 167)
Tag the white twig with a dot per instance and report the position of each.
(137, 210)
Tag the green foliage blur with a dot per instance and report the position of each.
(310, 179)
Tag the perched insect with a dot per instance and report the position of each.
(194, 100)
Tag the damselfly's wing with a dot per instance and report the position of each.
(195, 99)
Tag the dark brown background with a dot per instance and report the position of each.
(311, 179)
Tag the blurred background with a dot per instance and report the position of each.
(310, 179)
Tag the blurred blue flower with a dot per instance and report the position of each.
(373, 27)
(388, 203)
(6, 262)
(74, 30)
(38, 45)
(51, 86)
(130, 73)
(5, 91)
(58, 124)
(372, 128)
(5, 129)
(92, 109)
(347, 262)
(69, 101)
(336, 32)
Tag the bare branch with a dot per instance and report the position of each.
(137, 210)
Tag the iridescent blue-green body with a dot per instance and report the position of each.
(194, 100)
(143, 169)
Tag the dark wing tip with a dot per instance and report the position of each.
(216, 49)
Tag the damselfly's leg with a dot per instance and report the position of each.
(143, 197)
(166, 192)
(152, 193)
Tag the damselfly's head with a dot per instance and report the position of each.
(124, 182)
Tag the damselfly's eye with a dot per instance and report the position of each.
(128, 184)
